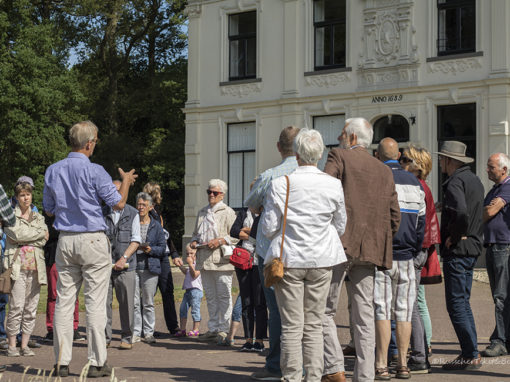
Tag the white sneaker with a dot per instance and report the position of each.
(12, 352)
(27, 352)
(135, 339)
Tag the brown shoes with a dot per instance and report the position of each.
(335, 377)
(463, 363)
(125, 346)
(349, 351)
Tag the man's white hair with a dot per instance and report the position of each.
(82, 133)
(309, 146)
(218, 183)
(363, 130)
(504, 161)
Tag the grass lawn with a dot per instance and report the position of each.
(178, 293)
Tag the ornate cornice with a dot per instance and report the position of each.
(455, 66)
(241, 90)
(327, 80)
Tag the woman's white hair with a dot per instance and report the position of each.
(363, 130)
(309, 146)
(220, 184)
(145, 197)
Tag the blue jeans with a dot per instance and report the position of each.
(237, 311)
(274, 323)
(498, 270)
(4, 299)
(458, 278)
(192, 298)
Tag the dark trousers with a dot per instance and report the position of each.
(274, 324)
(498, 270)
(253, 302)
(4, 299)
(458, 278)
(166, 287)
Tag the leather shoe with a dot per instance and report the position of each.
(335, 377)
(464, 363)
(61, 370)
(495, 349)
(349, 351)
(98, 372)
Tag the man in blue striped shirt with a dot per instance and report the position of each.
(401, 277)
(254, 201)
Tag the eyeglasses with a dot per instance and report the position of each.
(406, 160)
(215, 193)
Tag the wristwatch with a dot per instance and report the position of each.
(124, 256)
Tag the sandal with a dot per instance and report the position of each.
(226, 342)
(180, 333)
(193, 333)
(382, 374)
(402, 372)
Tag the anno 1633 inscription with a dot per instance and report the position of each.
(387, 98)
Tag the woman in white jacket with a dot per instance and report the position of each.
(24, 253)
(316, 219)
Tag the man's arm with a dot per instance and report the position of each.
(394, 210)
(334, 166)
(6, 211)
(121, 263)
(128, 179)
(255, 198)
(455, 203)
(493, 208)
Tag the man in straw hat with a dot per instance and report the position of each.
(462, 235)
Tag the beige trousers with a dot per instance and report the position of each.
(301, 297)
(82, 258)
(23, 301)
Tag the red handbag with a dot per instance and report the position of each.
(241, 259)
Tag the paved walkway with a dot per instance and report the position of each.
(172, 359)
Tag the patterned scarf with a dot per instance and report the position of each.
(208, 230)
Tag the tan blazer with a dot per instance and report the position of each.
(373, 213)
(213, 260)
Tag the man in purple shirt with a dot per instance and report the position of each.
(496, 216)
(73, 191)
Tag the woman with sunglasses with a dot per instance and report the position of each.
(419, 162)
(212, 231)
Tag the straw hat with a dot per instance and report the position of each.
(455, 150)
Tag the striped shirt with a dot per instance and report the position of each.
(6, 211)
(257, 196)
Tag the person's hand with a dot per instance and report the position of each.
(147, 249)
(120, 264)
(128, 176)
(448, 242)
(46, 236)
(178, 262)
(193, 245)
(214, 243)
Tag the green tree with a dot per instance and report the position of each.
(39, 96)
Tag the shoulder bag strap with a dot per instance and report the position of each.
(285, 215)
(15, 256)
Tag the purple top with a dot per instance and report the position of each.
(73, 190)
(190, 282)
(497, 229)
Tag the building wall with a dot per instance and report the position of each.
(391, 68)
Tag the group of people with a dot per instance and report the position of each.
(368, 221)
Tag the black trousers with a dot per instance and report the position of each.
(254, 303)
(166, 287)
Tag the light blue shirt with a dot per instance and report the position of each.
(257, 196)
(73, 190)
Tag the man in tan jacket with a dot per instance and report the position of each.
(373, 217)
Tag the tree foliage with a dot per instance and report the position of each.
(119, 63)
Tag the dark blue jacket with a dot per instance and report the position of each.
(157, 242)
(411, 200)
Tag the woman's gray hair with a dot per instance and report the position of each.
(82, 133)
(145, 197)
(363, 130)
(309, 146)
(220, 184)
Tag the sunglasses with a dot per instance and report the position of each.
(215, 193)
(406, 160)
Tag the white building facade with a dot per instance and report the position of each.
(421, 71)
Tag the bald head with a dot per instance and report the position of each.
(388, 149)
